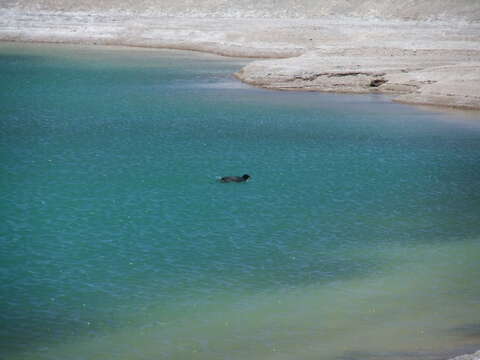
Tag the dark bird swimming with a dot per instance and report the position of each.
(227, 179)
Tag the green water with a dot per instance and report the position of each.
(358, 236)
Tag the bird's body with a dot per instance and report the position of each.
(227, 179)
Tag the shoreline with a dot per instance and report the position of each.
(469, 112)
(434, 63)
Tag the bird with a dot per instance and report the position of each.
(227, 179)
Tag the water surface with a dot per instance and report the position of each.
(358, 236)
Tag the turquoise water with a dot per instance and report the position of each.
(358, 236)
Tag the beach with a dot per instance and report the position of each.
(429, 59)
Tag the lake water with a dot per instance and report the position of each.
(358, 236)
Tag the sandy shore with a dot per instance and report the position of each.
(420, 62)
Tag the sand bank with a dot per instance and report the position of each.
(422, 62)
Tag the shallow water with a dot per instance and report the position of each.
(358, 236)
